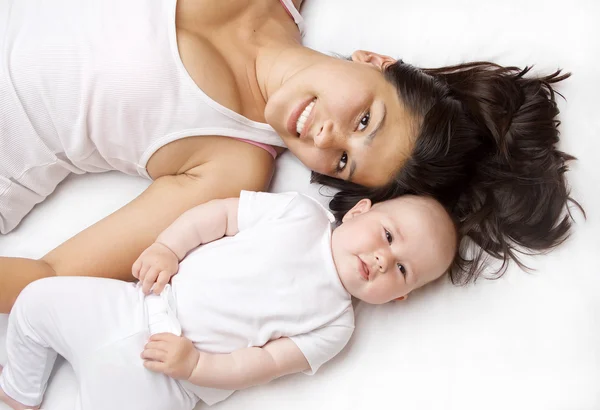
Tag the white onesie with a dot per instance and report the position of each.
(91, 86)
(275, 278)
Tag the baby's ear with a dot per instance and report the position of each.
(361, 207)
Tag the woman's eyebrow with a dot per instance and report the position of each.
(352, 170)
(373, 133)
(369, 141)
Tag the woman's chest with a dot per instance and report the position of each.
(218, 43)
(223, 73)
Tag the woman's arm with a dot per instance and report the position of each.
(110, 247)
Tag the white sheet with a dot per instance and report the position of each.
(526, 341)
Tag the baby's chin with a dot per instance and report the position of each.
(362, 298)
(369, 299)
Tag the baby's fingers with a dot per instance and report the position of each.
(156, 355)
(157, 367)
(156, 345)
(149, 280)
(143, 271)
(135, 269)
(166, 338)
(161, 282)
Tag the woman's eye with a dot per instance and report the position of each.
(401, 269)
(388, 236)
(364, 121)
(343, 162)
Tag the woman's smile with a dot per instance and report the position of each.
(300, 116)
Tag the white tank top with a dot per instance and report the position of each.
(101, 83)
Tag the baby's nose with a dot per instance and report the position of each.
(382, 262)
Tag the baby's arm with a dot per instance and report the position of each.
(250, 366)
(177, 357)
(202, 224)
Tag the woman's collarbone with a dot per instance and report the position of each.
(220, 70)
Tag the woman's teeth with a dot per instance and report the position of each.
(302, 119)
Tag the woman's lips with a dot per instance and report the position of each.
(296, 113)
(363, 270)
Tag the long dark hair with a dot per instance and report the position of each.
(486, 149)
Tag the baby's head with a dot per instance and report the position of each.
(382, 252)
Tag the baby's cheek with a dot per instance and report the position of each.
(382, 294)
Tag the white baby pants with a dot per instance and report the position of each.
(100, 326)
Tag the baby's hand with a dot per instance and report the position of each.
(172, 355)
(155, 266)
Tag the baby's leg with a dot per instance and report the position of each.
(114, 377)
(71, 316)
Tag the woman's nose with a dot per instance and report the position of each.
(326, 137)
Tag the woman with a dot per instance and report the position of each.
(180, 92)
(486, 149)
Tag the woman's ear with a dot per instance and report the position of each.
(378, 60)
(361, 207)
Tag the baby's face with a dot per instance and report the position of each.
(383, 252)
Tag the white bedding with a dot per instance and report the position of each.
(526, 341)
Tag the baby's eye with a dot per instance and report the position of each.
(343, 162)
(401, 269)
(388, 236)
(364, 121)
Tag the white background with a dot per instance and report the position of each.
(526, 341)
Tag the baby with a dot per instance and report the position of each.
(268, 293)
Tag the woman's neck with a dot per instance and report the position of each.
(275, 64)
(275, 46)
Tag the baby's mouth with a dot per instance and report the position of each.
(363, 270)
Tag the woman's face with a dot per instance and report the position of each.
(343, 119)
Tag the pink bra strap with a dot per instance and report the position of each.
(294, 14)
(266, 147)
